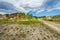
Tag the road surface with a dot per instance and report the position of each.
(52, 25)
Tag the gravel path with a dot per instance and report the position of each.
(27, 32)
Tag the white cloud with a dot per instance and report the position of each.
(49, 10)
(57, 6)
(32, 4)
(16, 4)
(39, 11)
(2, 13)
(10, 1)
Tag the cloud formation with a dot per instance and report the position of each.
(35, 5)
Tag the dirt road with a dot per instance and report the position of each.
(52, 25)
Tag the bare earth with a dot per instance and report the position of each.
(53, 25)
(27, 32)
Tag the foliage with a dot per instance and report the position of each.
(25, 18)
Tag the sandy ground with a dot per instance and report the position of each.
(27, 32)
(53, 25)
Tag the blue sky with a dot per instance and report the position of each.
(35, 7)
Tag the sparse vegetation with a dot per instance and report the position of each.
(24, 26)
(52, 18)
(23, 32)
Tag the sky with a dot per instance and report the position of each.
(35, 7)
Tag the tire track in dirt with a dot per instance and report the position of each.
(52, 25)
